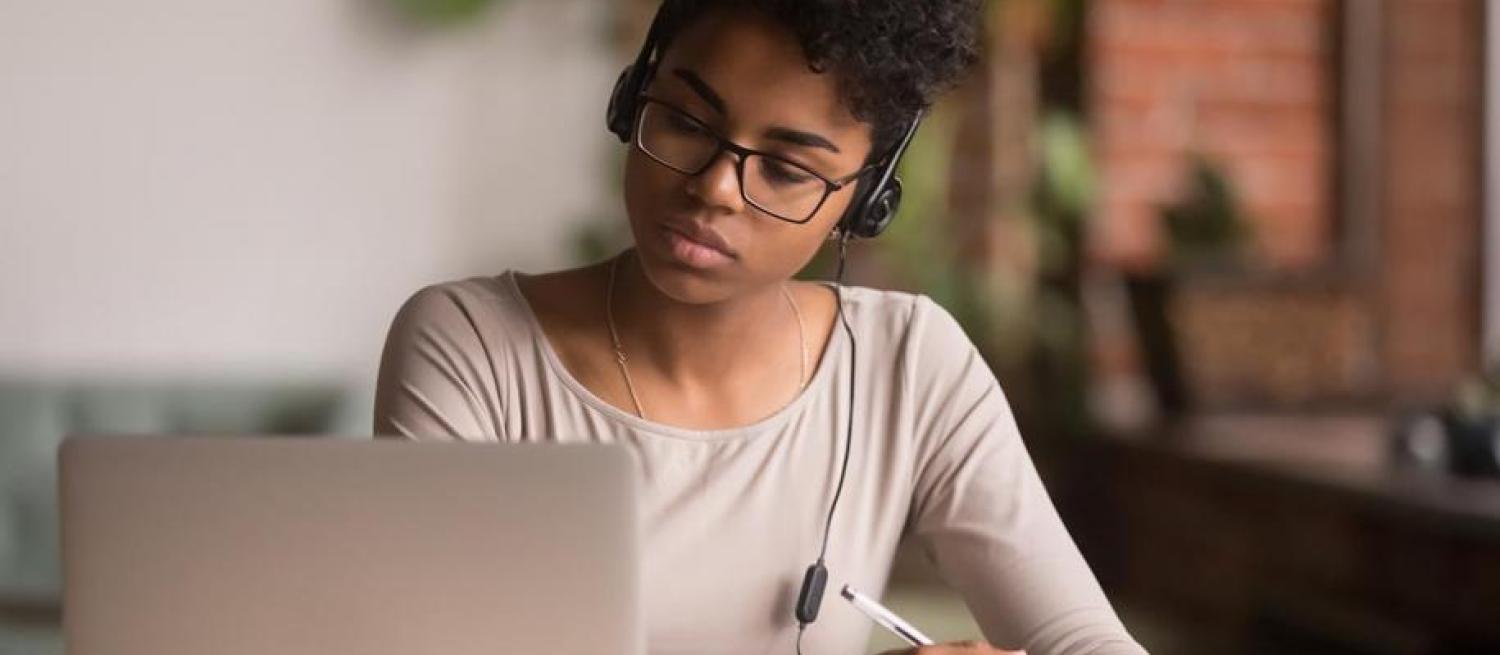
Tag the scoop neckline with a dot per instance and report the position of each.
(823, 371)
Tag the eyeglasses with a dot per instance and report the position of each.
(775, 185)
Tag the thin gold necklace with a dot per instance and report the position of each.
(614, 335)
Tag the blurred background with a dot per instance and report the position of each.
(1236, 263)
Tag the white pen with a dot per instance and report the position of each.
(886, 618)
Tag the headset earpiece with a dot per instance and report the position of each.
(875, 207)
(882, 210)
(873, 211)
(621, 112)
(620, 116)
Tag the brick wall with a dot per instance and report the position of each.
(1389, 292)
(1244, 81)
(1429, 241)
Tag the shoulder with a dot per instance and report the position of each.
(926, 347)
(908, 320)
(440, 371)
(465, 311)
(920, 341)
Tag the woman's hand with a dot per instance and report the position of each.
(956, 648)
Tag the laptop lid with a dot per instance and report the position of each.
(247, 546)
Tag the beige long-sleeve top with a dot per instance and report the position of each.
(733, 517)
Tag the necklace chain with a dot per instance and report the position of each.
(621, 359)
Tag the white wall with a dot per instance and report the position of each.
(250, 189)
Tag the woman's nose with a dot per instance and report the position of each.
(719, 185)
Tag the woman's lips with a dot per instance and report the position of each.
(694, 253)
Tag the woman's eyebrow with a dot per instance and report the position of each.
(798, 137)
(702, 88)
(716, 102)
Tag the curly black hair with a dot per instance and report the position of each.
(889, 58)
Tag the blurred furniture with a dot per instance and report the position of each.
(1297, 535)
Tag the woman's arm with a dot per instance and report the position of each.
(981, 513)
(437, 377)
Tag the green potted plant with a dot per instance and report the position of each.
(1205, 229)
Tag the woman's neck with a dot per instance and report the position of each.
(696, 344)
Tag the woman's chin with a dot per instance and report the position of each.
(684, 284)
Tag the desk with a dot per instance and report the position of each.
(1288, 533)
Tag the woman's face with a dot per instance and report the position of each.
(745, 78)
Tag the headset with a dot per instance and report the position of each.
(868, 215)
(874, 206)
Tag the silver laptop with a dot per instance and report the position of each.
(251, 546)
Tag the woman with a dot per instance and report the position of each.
(767, 439)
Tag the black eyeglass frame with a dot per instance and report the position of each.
(830, 185)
